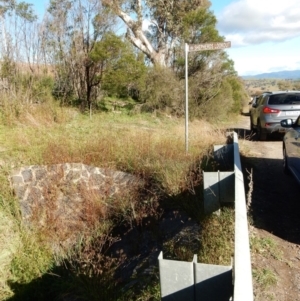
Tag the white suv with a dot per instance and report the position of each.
(271, 108)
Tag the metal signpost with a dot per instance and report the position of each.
(191, 48)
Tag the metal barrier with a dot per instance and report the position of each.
(243, 288)
(195, 281)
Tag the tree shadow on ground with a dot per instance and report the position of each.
(274, 203)
(64, 285)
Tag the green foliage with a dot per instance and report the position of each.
(109, 66)
(25, 11)
(121, 68)
(199, 26)
(31, 260)
(161, 89)
(90, 61)
(33, 87)
(39, 87)
(63, 89)
(171, 16)
(211, 94)
(23, 256)
(265, 277)
(8, 69)
(265, 247)
(22, 9)
(212, 107)
(215, 91)
(239, 96)
(166, 31)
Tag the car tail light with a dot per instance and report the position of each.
(268, 110)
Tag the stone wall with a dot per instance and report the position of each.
(64, 200)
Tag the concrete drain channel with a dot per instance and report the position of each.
(193, 281)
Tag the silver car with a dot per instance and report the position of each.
(270, 109)
(291, 147)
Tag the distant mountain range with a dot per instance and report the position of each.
(295, 74)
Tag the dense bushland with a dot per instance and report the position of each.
(76, 55)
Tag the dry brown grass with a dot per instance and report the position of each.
(134, 145)
(70, 213)
(151, 148)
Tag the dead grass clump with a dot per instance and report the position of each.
(44, 114)
(67, 216)
(14, 110)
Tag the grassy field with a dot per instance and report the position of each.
(150, 146)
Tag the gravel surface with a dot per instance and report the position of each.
(274, 206)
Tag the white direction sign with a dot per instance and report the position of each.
(209, 46)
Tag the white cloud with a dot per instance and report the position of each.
(247, 63)
(248, 22)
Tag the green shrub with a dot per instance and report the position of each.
(161, 90)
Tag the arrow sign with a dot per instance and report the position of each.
(209, 46)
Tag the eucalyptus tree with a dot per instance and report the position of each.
(13, 17)
(15, 20)
(166, 24)
(72, 29)
(171, 24)
(208, 70)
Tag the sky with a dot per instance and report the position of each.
(264, 34)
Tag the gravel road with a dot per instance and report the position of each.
(274, 205)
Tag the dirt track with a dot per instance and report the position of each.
(274, 205)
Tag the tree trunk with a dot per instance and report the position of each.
(136, 35)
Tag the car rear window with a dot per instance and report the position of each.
(284, 99)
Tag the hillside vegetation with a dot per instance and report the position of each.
(75, 91)
(258, 86)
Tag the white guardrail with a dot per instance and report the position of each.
(188, 281)
(243, 288)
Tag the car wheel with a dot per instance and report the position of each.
(285, 163)
(261, 135)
